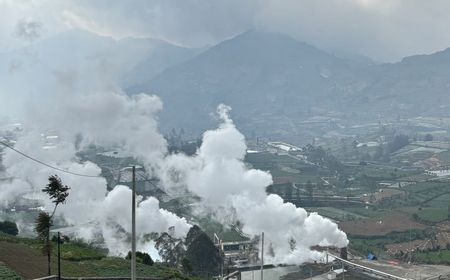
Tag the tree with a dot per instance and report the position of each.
(170, 249)
(204, 257)
(43, 224)
(398, 142)
(9, 227)
(58, 193)
(141, 257)
(187, 267)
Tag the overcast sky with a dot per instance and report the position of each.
(385, 30)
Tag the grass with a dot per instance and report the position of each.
(442, 201)
(381, 172)
(433, 257)
(72, 251)
(299, 178)
(444, 157)
(432, 215)
(116, 267)
(426, 187)
(368, 213)
(285, 166)
(6, 273)
(336, 213)
(79, 252)
(376, 244)
(78, 260)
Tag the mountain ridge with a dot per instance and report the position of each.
(260, 73)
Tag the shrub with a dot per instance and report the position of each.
(9, 227)
(141, 257)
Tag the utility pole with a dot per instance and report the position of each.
(49, 271)
(262, 256)
(59, 256)
(133, 226)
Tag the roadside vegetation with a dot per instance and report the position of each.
(78, 260)
(6, 273)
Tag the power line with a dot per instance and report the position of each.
(73, 173)
(48, 165)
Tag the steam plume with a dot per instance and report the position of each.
(218, 174)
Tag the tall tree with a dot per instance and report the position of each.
(204, 257)
(58, 192)
(170, 249)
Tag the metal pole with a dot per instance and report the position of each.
(59, 256)
(262, 256)
(49, 271)
(133, 226)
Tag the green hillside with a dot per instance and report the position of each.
(21, 256)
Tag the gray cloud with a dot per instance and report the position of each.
(385, 30)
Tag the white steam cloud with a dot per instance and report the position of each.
(111, 120)
(218, 175)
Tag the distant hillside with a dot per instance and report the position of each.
(259, 74)
(418, 85)
(273, 81)
(159, 57)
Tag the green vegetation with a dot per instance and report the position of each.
(80, 252)
(202, 257)
(368, 213)
(432, 257)
(79, 260)
(117, 267)
(444, 157)
(141, 257)
(287, 167)
(376, 244)
(381, 175)
(336, 213)
(6, 273)
(431, 215)
(9, 227)
(58, 193)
